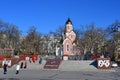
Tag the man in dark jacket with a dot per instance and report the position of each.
(5, 66)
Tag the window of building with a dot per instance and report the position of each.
(67, 47)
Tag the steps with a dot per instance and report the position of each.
(68, 65)
(36, 65)
(77, 66)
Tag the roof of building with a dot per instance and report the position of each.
(68, 21)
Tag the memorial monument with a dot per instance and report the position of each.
(69, 37)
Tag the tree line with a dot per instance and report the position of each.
(89, 38)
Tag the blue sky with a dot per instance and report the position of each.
(48, 15)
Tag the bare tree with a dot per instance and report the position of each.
(2, 35)
(114, 38)
(58, 33)
(31, 43)
(91, 38)
(12, 35)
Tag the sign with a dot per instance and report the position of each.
(52, 64)
(104, 63)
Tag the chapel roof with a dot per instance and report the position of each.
(68, 21)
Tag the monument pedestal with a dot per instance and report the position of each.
(65, 57)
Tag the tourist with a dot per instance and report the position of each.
(21, 66)
(17, 68)
(30, 59)
(46, 57)
(9, 63)
(5, 66)
(34, 59)
(25, 64)
(40, 60)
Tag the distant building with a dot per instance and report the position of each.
(6, 51)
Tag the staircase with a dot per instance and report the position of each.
(70, 65)
(36, 65)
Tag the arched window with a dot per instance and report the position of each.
(67, 47)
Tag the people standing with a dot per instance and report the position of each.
(5, 66)
(40, 60)
(30, 59)
(25, 64)
(21, 66)
(17, 68)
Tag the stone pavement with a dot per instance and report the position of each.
(60, 75)
(67, 71)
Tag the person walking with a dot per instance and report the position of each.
(5, 66)
(21, 66)
(40, 60)
(30, 59)
(17, 68)
(25, 64)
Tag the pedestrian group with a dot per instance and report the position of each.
(18, 66)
